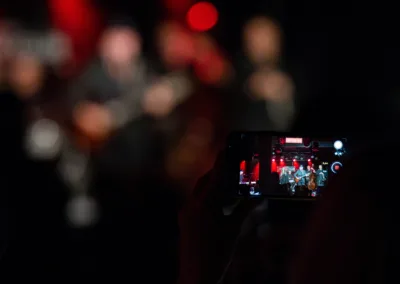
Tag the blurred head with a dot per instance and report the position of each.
(120, 44)
(262, 41)
(26, 75)
(301, 167)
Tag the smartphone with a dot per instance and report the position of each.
(283, 164)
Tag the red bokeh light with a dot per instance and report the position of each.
(202, 16)
(281, 160)
(294, 160)
(273, 160)
(309, 160)
(337, 167)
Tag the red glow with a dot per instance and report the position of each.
(202, 16)
(256, 172)
(281, 160)
(177, 7)
(337, 167)
(274, 167)
(243, 166)
(309, 160)
(210, 68)
(81, 22)
(294, 160)
(273, 160)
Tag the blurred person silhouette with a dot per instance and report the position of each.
(352, 236)
(116, 104)
(134, 168)
(138, 203)
(109, 92)
(121, 86)
(269, 92)
(35, 194)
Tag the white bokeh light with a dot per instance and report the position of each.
(44, 139)
(338, 145)
(82, 211)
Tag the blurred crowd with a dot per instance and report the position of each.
(190, 89)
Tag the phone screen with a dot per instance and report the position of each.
(287, 165)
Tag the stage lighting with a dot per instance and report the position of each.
(281, 159)
(294, 160)
(338, 145)
(273, 160)
(309, 160)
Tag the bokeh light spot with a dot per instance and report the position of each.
(202, 16)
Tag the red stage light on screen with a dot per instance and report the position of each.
(273, 160)
(309, 160)
(281, 160)
(294, 160)
(202, 16)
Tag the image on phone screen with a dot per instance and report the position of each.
(298, 166)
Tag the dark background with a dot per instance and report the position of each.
(344, 60)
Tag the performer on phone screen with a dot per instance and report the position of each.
(321, 178)
(309, 170)
(292, 184)
(284, 178)
(300, 176)
(241, 177)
